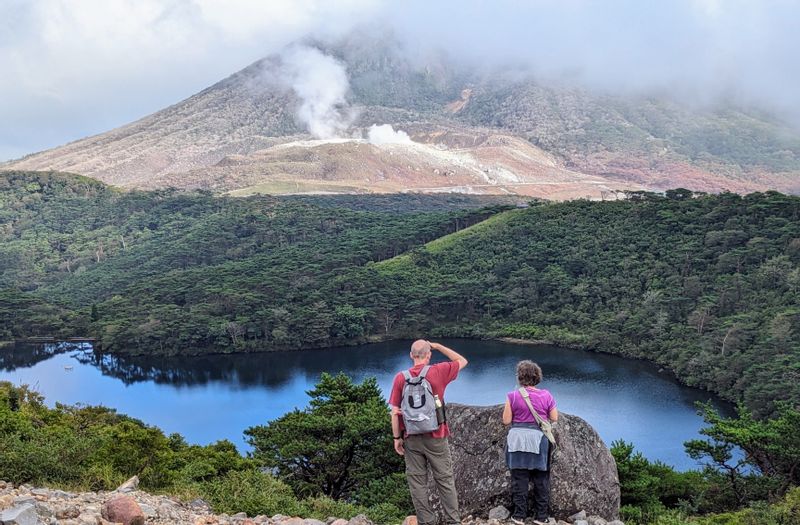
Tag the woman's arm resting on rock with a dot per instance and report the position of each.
(507, 416)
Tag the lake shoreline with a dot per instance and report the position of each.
(214, 397)
(373, 339)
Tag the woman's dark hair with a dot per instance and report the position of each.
(528, 373)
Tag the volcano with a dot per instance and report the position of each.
(483, 133)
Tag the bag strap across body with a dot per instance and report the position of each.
(545, 426)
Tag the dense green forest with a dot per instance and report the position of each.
(70, 244)
(706, 285)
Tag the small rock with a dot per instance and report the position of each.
(60, 494)
(43, 511)
(359, 520)
(616, 522)
(199, 504)
(123, 509)
(40, 492)
(312, 521)
(499, 513)
(67, 512)
(3, 484)
(292, 521)
(130, 485)
(577, 516)
(24, 514)
(167, 510)
(21, 500)
(6, 501)
(88, 519)
(596, 520)
(148, 510)
(410, 520)
(239, 516)
(580, 522)
(493, 522)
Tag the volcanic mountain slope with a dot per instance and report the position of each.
(470, 133)
(432, 162)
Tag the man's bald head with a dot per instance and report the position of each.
(420, 349)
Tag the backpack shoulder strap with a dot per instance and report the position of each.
(524, 393)
(407, 375)
(424, 372)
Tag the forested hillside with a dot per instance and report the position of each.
(73, 241)
(706, 285)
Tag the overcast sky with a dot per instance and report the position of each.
(73, 68)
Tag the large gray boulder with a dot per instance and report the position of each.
(24, 514)
(583, 474)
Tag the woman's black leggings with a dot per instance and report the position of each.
(541, 492)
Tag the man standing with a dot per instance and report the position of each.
(421, 450)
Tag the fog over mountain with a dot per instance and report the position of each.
(74, 69)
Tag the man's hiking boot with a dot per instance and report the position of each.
(517, 521)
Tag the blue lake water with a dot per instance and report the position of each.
(214, 397)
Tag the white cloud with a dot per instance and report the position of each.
(71, 68)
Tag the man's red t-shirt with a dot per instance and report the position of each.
(439, 376)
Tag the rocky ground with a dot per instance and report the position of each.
(26, 505)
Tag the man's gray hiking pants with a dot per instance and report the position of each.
(422, 451)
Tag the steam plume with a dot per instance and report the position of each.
(320, 81)
(385, 134)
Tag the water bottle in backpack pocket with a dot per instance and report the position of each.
(418, 404)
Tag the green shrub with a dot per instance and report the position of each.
(249, 491)
(337, 446)
(392, 490)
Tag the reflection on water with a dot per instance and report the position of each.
(207, 398)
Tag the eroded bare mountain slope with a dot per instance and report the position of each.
(469, 133)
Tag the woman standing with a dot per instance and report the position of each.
(527, 452)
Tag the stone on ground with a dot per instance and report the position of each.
(499, 513)
(24, 514)
(123, 509)
(130, 485)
